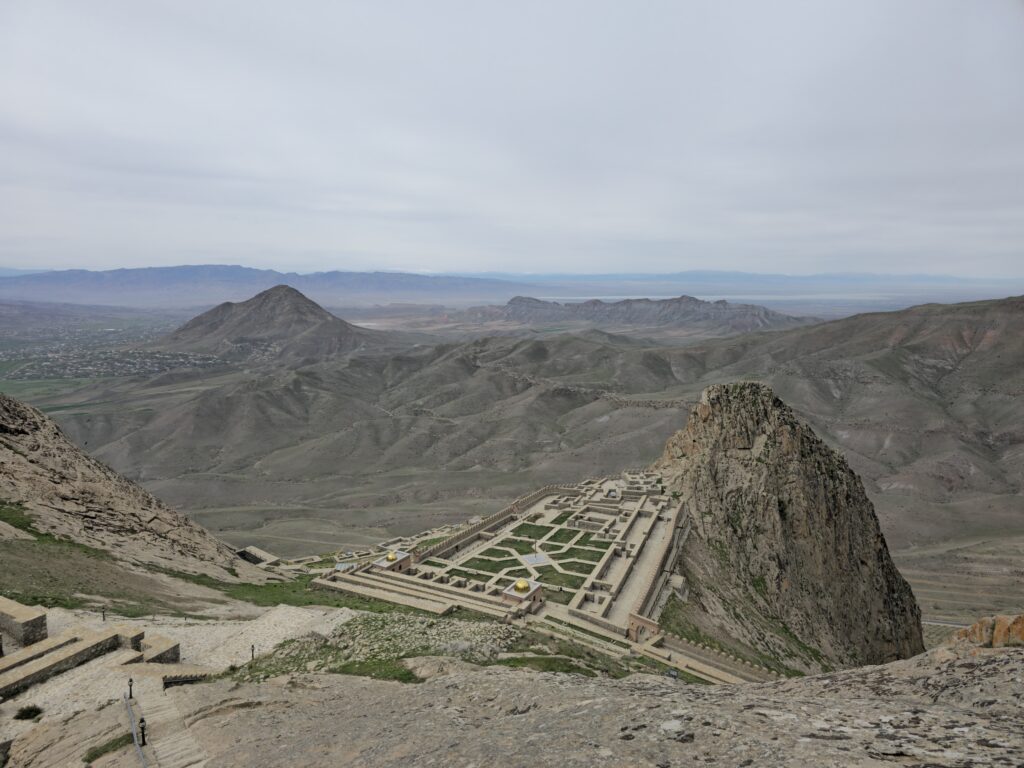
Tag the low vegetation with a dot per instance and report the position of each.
(30, 712)
(532, 530)
(114, 745)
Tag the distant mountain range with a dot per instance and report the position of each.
(203, 286)
(704, 318)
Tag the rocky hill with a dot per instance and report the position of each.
(279, 324)
(703, 318)
(70, 495)
(924, 403)
(786, 554)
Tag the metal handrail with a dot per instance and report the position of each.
(135, 735)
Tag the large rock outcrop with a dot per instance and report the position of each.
(786, 560)
(73, 496)
(994, 632)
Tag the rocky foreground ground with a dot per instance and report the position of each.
(950, 707)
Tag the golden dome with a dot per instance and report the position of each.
(522, 586)
(391, 556)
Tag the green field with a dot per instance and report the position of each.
(564, 536)
(522, 546)
(533, 531)
(549, 575)
(577, 566)
(575, 553)
(491, 566)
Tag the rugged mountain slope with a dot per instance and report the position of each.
(279, 324)
(709, 318)
(786, 553)
(946, 708)
(924, 403)
(73, 496)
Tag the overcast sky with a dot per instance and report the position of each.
(520, 136)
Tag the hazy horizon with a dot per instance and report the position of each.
(796, 138)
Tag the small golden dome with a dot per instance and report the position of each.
(392, 556)
(522, 586)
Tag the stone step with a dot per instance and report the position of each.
(35, 651)
(89, 646)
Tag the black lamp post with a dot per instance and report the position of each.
(142, 731)
(130, 684)
(252, 652)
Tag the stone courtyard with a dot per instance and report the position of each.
(596, 558)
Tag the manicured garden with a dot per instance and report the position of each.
(532, 530)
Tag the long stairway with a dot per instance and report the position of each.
(172, 744)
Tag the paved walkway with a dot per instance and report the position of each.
(172, 744)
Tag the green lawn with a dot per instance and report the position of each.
(578, 567)
(116, 744)
(552, 547)
(563, 517)
(496, 553)
(588, 540)
(522, 546)
(554, 596)
(491, 566)
(549, 575)
(520, 573)
(532, 530)
(575, 553)
(564, 536)
(458, 572)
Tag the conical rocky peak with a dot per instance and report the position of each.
(279, 323)
(786, 558)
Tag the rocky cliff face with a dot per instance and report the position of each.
(71, 495)
(786, 561)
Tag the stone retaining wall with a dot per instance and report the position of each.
(26, 625)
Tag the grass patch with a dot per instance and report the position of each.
(564, 535)
(458, 572)
(490, 566)
(115, 744)
(588, 540)
(552, 547)
(435, 564)
(295, 592)
(575, 553)
(59, 573)
(532, 530)
(562, 597)
(378, 669)
(577, 566)
(31, 712)
(549, 575)
(521, 546)
(427, 543)
(563, 517)
(520, 573)
(496, 553)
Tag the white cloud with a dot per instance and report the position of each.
(532, 136)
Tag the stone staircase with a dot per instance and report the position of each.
(169, 738)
